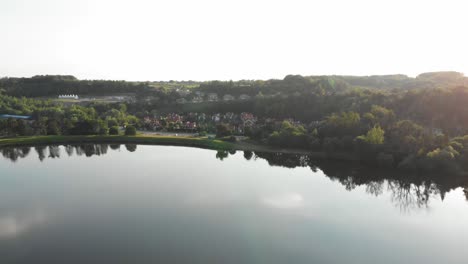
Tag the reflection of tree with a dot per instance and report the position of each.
(41, 152)
(248, 155)
(408, 195)
(221, 154)
(90, 150)
(349, 183)
(115, 146)
(284, 160)
(408, 191)
(53, 151)
(69, 150)
(103, 148)
(375, 187)
(15, 153)
(131, 147)
(25, 151)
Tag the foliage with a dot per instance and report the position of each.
(289, 135)
(113, 130)
(130, 130)
(48, 118)
(374, 136)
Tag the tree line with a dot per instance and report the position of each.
(49, 118)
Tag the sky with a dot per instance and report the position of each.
(151, 40)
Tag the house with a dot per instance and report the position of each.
(197, 99)
(216, 118)
(212, 97)
(249, 123)
(248, 119)
(228, 97)
(22, 117)
(201, 117)
(173, 118)
(434, 131)
(229, 116)
(152, 123)
(316, 124)
(244, 97)
(27, 119)
(190, 125)
(183, 92)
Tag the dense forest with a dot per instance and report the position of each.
(53, 85)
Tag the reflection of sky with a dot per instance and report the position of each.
(284, 201)
(13, 224)
(169, 199)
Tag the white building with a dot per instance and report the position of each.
(69, 96)
(244, 97)
(212, 97)
(228, 97)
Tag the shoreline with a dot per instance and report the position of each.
(183, 141)
(96, 139)
(186, 141)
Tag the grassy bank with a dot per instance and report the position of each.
(199, 142)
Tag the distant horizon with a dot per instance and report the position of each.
(234, 80)
(144, 40)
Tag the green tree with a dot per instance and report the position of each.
(374, 136)
(114, 130)
(130, 130)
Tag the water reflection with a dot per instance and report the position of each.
(408, 191)
(15, 224)
(53, 151)
(284, 201)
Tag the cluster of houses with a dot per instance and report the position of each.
(192, 122)
(186, 96)
(170, 122)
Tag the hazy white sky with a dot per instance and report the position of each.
(239, 39)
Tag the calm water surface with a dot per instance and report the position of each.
(159, 204)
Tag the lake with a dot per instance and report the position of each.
(161, 204)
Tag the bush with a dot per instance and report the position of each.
(103, 131)
(114, 130)
(223, 130)
(130, 130)
(229, 139)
